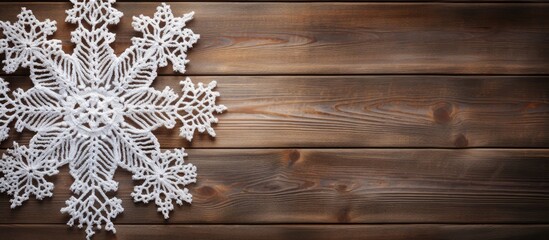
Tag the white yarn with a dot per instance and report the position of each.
(95, 111)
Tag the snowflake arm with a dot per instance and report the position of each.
(24, 169)
(24, 174)
(195, 108)
(135, 68)
(27, 41)
(93, 12)
(149, 108)
(164, 174)
(93, 208)
(165, 181)
(164, 39)
(136, 148)
(56, 72)
(27, 45)
(165, 36)
(94, 56)
(92, 166)
(37, 109)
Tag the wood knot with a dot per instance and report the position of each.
(341, 188)
(293, 157)
(272, 187)
(530, 106)
(461, 141)
(442, 113)
(206, 191)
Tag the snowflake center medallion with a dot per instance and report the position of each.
(95, 111)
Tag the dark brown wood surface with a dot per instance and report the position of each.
(353, 120)
(352, 1)
(367, 111)
(338, 186)
(287, 232)
(344, 38)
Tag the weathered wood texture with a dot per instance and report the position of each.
(338, 186)
(347, 38)
(368, 111)
(313, 89)
(376, 1)
(287, 232)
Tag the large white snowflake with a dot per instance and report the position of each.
(95, 111)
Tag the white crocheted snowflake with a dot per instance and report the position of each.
(95, 111)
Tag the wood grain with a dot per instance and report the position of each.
(376, 1)
(355, 120)
(367, 111)
(348, 38)
(288, 232)
(338, 186)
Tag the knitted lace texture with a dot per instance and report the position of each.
(95, 111)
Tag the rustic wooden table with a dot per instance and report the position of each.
(355, 120)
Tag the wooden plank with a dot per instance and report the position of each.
(289, 232)
(349, 38)
(367, 111)
(229, 1)
(338, 186)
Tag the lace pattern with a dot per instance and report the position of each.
(95, 111)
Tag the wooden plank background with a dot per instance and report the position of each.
(353, 120)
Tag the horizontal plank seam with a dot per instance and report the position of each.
(303, 1)
(359, 148)
(298, 224)
(335, 75)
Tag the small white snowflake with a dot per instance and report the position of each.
(96, 111)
